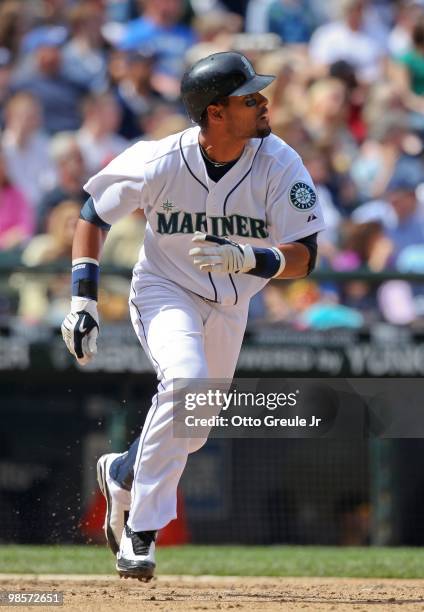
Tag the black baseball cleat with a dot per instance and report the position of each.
(136, 556)
(117, 502)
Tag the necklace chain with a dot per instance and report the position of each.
(214, 163)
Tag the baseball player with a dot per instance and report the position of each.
(228, 207)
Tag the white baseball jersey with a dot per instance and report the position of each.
(267, 198)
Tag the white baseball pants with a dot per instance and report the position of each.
(184, 336)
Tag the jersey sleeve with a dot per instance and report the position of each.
(293, 208)
(120, 187)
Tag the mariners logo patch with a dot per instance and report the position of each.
(302, 197)
(167, 206)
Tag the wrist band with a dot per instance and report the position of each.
(85, 277)
(269, 262)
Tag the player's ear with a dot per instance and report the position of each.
(215, 112)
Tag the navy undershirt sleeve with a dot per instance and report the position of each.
(310, 242)
(88, 213)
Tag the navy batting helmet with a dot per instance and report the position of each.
(220, 74)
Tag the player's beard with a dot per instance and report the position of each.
(263, 129)
(257, 131)
(263, 132)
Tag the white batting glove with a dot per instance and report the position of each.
(80, 329)
(216, 254)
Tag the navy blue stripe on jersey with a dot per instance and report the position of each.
(235, 288)
(144, 431)
(145, 338)
(203, 185)
(88, 213)
(214, 287)
(225, 207)
(188, 167)
(242, 179)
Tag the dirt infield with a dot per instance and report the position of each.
(109, 593)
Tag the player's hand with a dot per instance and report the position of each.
(214, 254)
(80, 329)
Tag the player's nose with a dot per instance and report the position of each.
(262, 104)
(262, 100)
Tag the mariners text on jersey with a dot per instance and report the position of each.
(180, 222)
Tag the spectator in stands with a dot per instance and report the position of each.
(235, 6)
(45, 298)
(51, 12)
(375, 210)
(287, 94)
(216, 32)
(26, 148)
(203, 7)
(119, 11)
(16, 215)
(97, 138)
(382, 97)
(84, 59)
(356, 95)
(379, 154)
(58, 95)
(165, 121)
(159, 26)
(408, 14)
(117, 67)
(326, 116)
(318, 164)
(409, 72)
(292, 20)
(309, 306)
(362, 245)
(56, 243)
(71, 173)
(5, 80)
(134, 91)
(289, 127)
(346, 40)
(409, 230)
(212, 26)
(12, 25)
(124, 239)
(378, 19)
(286, 304)
(257, 13)
(257, 16)
(159, 120)
(328, 314)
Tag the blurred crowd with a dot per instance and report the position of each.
(80, 80)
